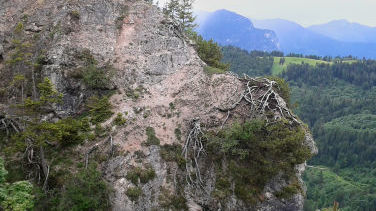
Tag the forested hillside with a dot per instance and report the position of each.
(337, 99)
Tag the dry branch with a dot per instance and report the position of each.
(192, 150)
(260, 95)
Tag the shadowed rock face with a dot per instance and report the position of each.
(150, 57)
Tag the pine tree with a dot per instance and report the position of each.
(180, 11)
(171, 9)
(186, 18)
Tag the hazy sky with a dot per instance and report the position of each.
(305, 12)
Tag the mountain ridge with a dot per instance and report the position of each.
(229, 28)
(295, 38)
(346, 31)
(290, 37)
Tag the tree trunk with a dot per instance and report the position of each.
(45, 167)
(34, 86)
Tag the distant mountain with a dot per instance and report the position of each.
(201, 16)
(229, 28)
(297, 39)
(345, 31)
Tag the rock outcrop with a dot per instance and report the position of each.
(161, 86)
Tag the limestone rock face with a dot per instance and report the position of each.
(160, 83)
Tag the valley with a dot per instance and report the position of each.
(336, 99)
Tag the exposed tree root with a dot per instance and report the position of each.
(262, 98)
(260, 95)
(8, 125)
(36, 162)
(192, 150)
(92, 149)
(96, 146)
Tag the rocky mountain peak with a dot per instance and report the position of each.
(164, 91)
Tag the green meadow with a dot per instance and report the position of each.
(278, 69)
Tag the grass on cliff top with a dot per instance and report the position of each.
(212, 70)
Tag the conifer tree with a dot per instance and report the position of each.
(186, 18)
(181, 12)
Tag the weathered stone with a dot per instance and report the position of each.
(33, 28)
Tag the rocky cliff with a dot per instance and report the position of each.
(161, 86)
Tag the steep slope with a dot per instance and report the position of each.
(229, 28)
(159, 84)
(297, 39)
(346, 31)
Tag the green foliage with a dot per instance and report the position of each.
(48, 93)
(86, 56)
(55, 30)
(336, 98)
(177, 132)
(17, 80)
(95, 78)
(341, 116)
(119, 120)
(256, 152)
(16, 196)
(65, 132)
(290, 190)
(173, 153)
(212, 70)
(134, 193)
(20, 56)
(171, 105)
(134, 93)
(119, 22)
(358, 130)
(3, 172)
(99, 130)
(279, 67)
(209, 52)
(337, 102)
(75, 14)
(143, 175)
(19, 28)
(48, 97)
(172, 201)
(152, 138)
(99, 109)
(181, 12)
(72, 131)
(222, 186)
(249, 63)
(352, 188)
(86, 191)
